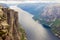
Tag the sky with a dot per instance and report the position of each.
(29, 0)
(33, 0)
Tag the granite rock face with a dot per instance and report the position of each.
(9, 25)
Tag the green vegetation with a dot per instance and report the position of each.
(56, 23)
(55, 27)
(44, 22)
(23, 34)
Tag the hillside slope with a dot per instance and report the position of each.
(51, 17)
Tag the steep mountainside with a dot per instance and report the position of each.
(51, 17)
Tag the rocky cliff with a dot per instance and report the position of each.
(9, 25)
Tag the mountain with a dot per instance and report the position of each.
(51, 13)
(4, 5)
(33, 8)
(51, 17)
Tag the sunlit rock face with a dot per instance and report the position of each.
(51, 17)
(3, 20)
(3, 23)
(9, 25)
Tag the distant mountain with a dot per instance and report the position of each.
(51, 17)
(50, 13)
(4, 5)
(33, 8)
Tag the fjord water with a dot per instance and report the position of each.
(33, 29)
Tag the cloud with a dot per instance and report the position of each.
(29, 0)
